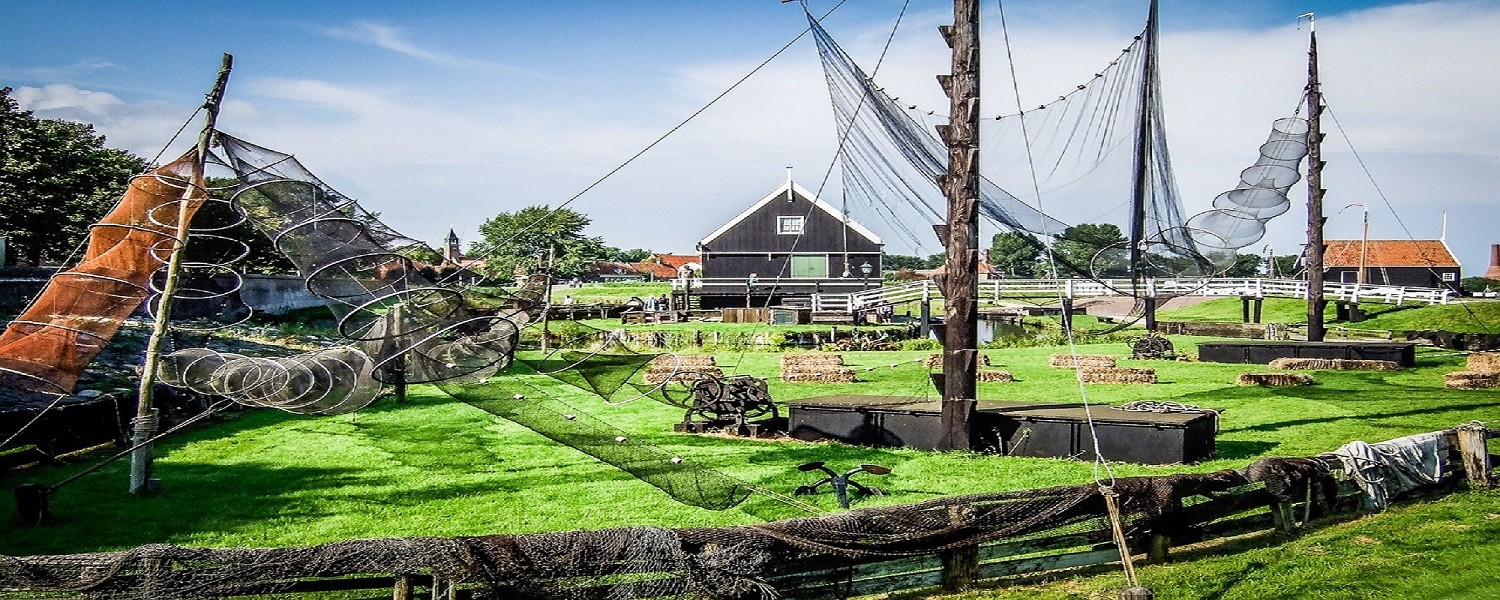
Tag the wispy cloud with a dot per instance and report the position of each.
(394, 39)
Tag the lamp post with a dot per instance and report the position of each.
(1364, 242)
(866, 269)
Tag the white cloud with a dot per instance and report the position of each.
(60, 96)
(393, 39)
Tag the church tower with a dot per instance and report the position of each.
(451, 249)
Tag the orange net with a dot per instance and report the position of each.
(47, 346)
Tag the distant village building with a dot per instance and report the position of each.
(786, 246)
(669, 266)
(1415, 263)
(1493, 272)
(453, 253)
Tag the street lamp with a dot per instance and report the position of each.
(866, 269)
(1364, 242)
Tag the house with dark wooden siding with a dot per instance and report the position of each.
(1415, 263)
(787, 246)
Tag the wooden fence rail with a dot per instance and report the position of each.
(1240, 511)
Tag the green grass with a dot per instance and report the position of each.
(437, 467)
(610, 293)
(1431, 549)
(1468, 316)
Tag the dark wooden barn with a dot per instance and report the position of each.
(1414, 263)
(785, 247)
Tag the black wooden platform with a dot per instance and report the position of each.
(1010, 428)
(1264, 351)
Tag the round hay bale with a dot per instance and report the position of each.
(1117, 375)
(1471, 380)
(1275, 379)
(1068, 361)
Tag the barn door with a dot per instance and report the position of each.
(810, 265)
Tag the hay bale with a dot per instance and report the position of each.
(935, 361)
(1471, 380)
(1117, 375)
(1333, 364)
(1275, 379)
(824, 374)
(1068, 361)
(812, 359)
(1484, 362)
(682, 368)
(995, 376)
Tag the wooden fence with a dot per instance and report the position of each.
(1200, 518)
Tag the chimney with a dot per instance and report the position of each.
(1494, 271)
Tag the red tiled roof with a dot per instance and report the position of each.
(1390, 253)
(660, 271)
(675, 261)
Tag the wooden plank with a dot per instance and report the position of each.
(1062, 542)
(868, 570)
(1053, 562)
(1229, 527)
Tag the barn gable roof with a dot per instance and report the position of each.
(780, 193)
(1390, 253)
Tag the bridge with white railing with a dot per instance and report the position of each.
(996, 290)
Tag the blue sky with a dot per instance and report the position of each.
(440, 114)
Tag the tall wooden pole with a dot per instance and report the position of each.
(145, 423)
(1315, 246)
(961, 186)
(1143, 153)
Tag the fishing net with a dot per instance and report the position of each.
(1080, 146)
(47, 346)
(479, 344)
(759, 561)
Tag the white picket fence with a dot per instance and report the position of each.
(996, 290)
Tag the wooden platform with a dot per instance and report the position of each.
(1260, 352)
(1052, 430)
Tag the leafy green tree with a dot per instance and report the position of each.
(1015, 253)
(629, 256)
(1096, 246)
(523, 239)
(56, 179)
(1479, 284)
(1286, 266)
(1245, 265)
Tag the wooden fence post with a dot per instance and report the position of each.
(1475, 453)
(960, 565)
(960, 568)
(402, 589)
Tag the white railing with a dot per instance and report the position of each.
(996, 290)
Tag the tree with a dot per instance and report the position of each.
(896, 262)
(56, 179)
(1015, 253)
(632, 255)
(1095, 247)
(523, 239)
(1245, 265)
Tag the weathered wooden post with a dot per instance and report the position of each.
(1475, 453)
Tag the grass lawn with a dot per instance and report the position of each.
(436, 467)
(1473, 316)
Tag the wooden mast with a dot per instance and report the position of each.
(145, 423)
(1143, 153)
(961, 186)
(1315, 246)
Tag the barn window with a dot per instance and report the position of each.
(789, 225)
(1450, 276)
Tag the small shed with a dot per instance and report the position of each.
(785, 246)
(1414, 263)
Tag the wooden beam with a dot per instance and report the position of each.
(961, 187)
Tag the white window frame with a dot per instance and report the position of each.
(790, 224)
(1450, 276)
